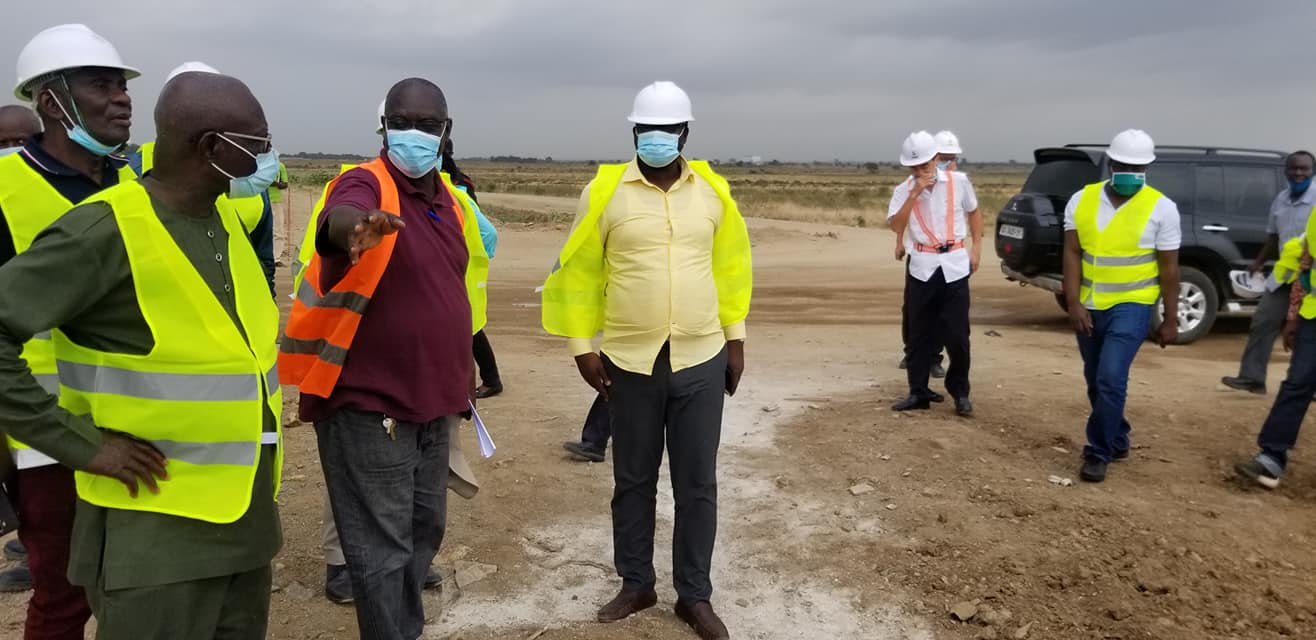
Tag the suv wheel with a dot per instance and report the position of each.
(1199, 303)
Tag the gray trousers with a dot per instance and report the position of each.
(1266, 325)
(684, 411)
(389, 503)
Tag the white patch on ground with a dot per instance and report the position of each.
(760, 529)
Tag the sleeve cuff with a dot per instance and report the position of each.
(735, 331)
(579, 346)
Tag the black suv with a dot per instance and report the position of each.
(1224, 198)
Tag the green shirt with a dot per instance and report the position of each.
(76, 277)
(276, 194)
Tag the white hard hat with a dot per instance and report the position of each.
(919, 148)
(661, 103)
(379, 122)
(948, 143)
(1133, 147)
(199, 67)
(65, 46)
(1247, 285)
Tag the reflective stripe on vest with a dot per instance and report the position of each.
(204, 392)
(322, 325)
(30, 205)
(1115, 269)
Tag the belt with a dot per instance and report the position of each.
(943, 248)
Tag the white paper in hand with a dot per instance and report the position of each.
(487, 447)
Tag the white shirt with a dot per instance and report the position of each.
(1161, 233)
(1288, 220)
(954, 265)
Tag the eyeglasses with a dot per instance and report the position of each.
(431, 126)
(267, 141)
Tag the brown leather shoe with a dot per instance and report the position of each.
(627, 603)
(701, 618)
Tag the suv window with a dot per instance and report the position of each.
(1061, 178)
(1249, 190)
(1176, 181)
(1210, 190)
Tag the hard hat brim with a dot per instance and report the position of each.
(950, 149)
(906, 162)
(1137, 161)
(23, 92)
(658, 121)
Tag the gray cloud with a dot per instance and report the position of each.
(803, 81)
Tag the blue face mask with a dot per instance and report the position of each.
(658, 149)
(1296, 189)
(267, 171)
(77, 132)
(944, 165)
(414, 152)
(1127, 183)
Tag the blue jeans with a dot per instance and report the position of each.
(1280, 431)
(1117, 333)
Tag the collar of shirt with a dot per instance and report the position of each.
(41, 160)
(633, 174)
(407, 189)
(1308, 197)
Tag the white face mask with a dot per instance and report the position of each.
(8, 150)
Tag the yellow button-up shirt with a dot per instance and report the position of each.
(658, 247)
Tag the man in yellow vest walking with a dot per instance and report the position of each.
(1121, 255)
(664, 238)
(77, 82)
(165, 339)
(1279, 433)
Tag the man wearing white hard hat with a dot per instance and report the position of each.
(77, 83)
(1288, 219)
(255, 210)
(1121, 254)
(664, 238)
(938, 211)
(948, 151)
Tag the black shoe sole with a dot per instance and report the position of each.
(493, 391)
(581, 452)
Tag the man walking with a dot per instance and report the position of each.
(164, 333)
(1121, 255)
(86, 112)
(1288, 220)
(939, 211)
(379, 344)
(664, 238)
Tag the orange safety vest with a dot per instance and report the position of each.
(319, 334)
(949, 243)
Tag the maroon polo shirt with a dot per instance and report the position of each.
(411, 357)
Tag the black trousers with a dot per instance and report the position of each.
(684, 411)
(484, 359)
(904, 328)
(938, 313)
(598, 426)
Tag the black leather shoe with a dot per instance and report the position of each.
(912, 403)
(488, 391)
(904, 362)
(1243, 384)
(434, 579)
(585, 451)
(1093, 470)
(16, 580)
(936, 397)
(938, 371)
(963, 407)
(14, 550)
(337, 584)
(1121, 454)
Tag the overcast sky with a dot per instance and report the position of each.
(812, 80)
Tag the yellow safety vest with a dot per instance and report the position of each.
(30, 205)
(200, 395)
(250, 210)
(1308, 309)
(477, 266)
(573, 295)
(1115, 269)
(1289, 265)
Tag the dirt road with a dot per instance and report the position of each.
(961, 511)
